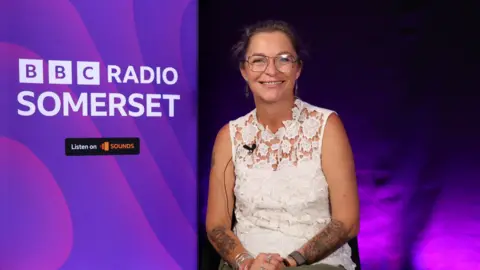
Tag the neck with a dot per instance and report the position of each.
(272, 115)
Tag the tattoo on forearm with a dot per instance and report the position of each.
(326, 242)
(224, 243)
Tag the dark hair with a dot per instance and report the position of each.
(240, 48)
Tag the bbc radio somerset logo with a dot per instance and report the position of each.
(90, 100)
(102, 146)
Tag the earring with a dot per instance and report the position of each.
(296, 88)
(247, 91)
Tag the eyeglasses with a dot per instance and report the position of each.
(283, 62)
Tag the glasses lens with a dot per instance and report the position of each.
(258, 63)
(284, 62)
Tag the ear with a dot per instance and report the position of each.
(243, 71)
(299, 71)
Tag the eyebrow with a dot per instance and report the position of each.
(280, 53)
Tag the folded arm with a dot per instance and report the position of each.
(338, 166)
(221, 200)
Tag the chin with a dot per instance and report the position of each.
(268, 96)
(272, 96)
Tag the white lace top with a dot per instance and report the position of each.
(280, 189)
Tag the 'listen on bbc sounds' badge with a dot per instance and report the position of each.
(102, 146)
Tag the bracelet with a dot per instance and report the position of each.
(298, 258)
(241, 258)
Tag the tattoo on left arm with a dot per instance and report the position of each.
(224, 242)
(326, 242)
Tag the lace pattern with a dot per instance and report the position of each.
(280, 189)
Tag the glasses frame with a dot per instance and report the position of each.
(296, 61)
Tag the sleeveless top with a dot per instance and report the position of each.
(280, 189)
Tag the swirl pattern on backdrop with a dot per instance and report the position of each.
(99, 212)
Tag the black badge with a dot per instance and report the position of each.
(102, 146)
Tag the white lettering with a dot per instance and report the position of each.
(30, 70)
(88, 73)
(144, 75)
(171, 103)
(130, 75)
(174, 76)
(59, 72)
(152, 104)
(113, 72)
(96, 104)
(69, 102)
(21, 99)
(57, 103)
(134, 103)
(151, 75)
(112, 100)
(79, 147)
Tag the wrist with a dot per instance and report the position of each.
(290, 262)
(243, 260)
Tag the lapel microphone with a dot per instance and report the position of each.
(250, 148)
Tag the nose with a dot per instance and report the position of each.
(271, 68)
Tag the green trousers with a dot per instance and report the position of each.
(224, 266)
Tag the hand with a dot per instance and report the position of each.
(267, 261)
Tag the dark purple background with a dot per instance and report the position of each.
(403, 76)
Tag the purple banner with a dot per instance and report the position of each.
(94, 69)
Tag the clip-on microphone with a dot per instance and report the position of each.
(250, 148)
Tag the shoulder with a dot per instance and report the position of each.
(242, 120)
(224, 133)
(229, 130)
(331, 126)
(327, 123)
(222, 144)
(319, 113)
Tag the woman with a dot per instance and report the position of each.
(286, 168)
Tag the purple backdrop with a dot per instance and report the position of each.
(102, 212)
(403, 76)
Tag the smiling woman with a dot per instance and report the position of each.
(286, 169)
(277, 42)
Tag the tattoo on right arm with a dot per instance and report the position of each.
(224, 243)
(326, 242)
